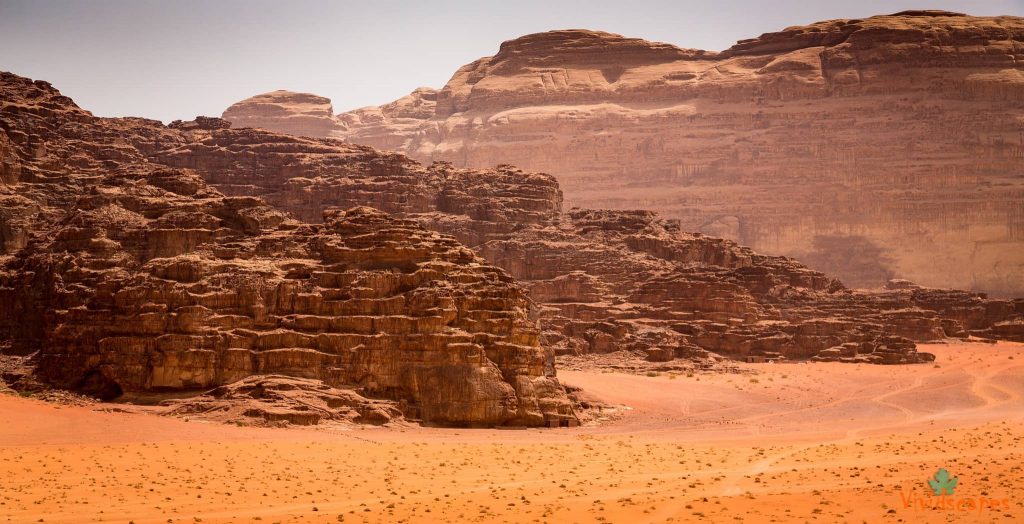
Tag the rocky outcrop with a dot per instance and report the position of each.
(871, 149)
(304, 176)
(163, 259)
(612, 280)
(275, 400)
(605, 280)
(136, 277)
(286, 112)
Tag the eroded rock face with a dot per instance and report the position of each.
(139, 277)
(274, 400)
(870, 149)
(305, 176)
(606, 280)
(614, 279)
(152, 261)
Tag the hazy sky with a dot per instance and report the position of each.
(177, 59)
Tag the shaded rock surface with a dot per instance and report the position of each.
(132, 276)
(870, 148)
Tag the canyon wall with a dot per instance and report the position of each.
(885, 147)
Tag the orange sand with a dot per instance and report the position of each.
(795, 442)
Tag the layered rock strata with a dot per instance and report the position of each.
(168, 258)
(617, 279)
(134, 277)
(606, 280)
(871, 148)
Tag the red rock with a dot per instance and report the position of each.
(136, 277)
(194, 256)
(605, 280)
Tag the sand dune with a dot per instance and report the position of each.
(787, 442)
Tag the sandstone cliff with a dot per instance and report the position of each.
(123, 275)
(871, 149)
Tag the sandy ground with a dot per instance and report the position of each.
(793, 442)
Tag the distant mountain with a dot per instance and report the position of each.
(891, 146)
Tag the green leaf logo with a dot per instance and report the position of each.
(942, 483)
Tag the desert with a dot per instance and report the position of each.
(592, 278)
(825, 442)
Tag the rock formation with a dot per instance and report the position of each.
(123, 275)
(272, 400)
(141, 258)
(609, 280)
(870, 149)
(606, 280)
(287, 112)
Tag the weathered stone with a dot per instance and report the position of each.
(605, 280)
(284, 111)
(867, 148)
(140, 278)
(275, 400)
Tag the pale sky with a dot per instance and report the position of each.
(178, 59)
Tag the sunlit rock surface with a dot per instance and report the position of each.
(878, 148)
